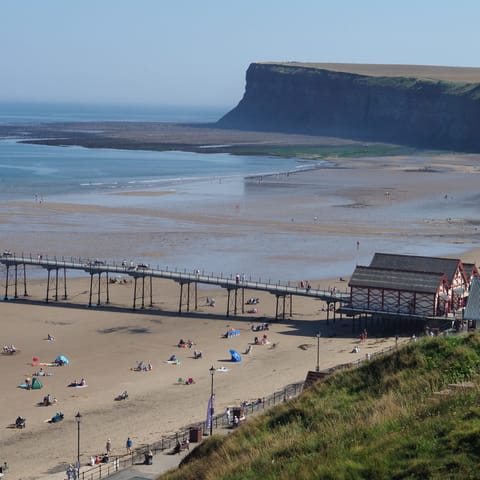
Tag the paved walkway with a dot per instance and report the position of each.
(162, 462)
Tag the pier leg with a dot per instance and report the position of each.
(276, 309)
(196, 295)
(134, 292)
(16, 282)
(291, 306)
(151, 292)
(180, 302)
(108, 291)
(235, 307)
(328, 313)
(99, 285)
(188, 296)
(48, 284)
(243, 300)
(91, 287)
(6, 285)
(228, 303)
(65, 296)
(25, 294)
(143, 292)
(56, 284)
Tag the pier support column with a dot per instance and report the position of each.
(283, 305)
(99, 287)
(91, 288)
(56, 284)
(6, 284)
(183, 300)
(48, 285)
(196, 296)
(16, 281)
(151, 291)
(25, 294)
(65, 296)
(134, 292)
(108, 290)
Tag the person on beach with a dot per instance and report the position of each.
(129, 445)
(108, 446)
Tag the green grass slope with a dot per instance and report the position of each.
(396, 417)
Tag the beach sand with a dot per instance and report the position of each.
(104, 344)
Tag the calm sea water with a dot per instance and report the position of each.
(36, 171)
(212, 184)
(14, 113)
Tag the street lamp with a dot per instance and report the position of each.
(318, 351)
(212, 373)
(78, 418)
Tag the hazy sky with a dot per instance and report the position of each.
(196, 52)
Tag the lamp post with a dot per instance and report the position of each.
(318, 351)
(78, 418)
(212, 373)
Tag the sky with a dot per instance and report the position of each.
(196, 53)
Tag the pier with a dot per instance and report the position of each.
(142, 276)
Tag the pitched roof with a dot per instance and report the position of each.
(414, 263)
(472, 310)
(470, 269)
(391, 279)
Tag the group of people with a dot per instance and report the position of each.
(143, 367)
(210, 302)
(305, 285)
(260, 328)
(185, 344)
(81, 383)
(48, 400)
(9, 349)
(73, 472)
(263, 341)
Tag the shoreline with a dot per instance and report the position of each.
(316, 224)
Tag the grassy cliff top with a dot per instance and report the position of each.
(429, 72)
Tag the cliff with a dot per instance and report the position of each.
(434, 107)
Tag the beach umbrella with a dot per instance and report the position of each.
(235, 356)
(63, 358)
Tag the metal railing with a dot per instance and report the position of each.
(104, 470)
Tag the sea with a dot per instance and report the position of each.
(209, 182)
(38, 171)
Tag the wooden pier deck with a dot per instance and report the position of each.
(143, 275)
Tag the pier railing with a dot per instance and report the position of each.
(134, 269)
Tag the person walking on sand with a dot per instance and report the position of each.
(108, 446)
(129, 445)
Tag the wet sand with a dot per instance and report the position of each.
(288, 227)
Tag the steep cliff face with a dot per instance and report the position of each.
(401, 109)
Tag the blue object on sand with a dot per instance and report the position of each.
(236, 357)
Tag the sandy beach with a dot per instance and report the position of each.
(425, 205)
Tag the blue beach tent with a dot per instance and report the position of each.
(235, 356)
(63, 359)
